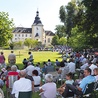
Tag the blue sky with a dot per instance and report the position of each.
(24, 11)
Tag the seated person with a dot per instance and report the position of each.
(57, 63)
(25, 62)
(37, 67)
(48, 90)
(21, 85)
(37, 80)
(49, 68)
(1, 83)
(44, 67)
(12, 76)
(96, 73)
(69, 80)
(79, 90)
(63, 70)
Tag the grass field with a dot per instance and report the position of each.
(39, 56)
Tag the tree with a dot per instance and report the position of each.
(60, 30)
(87, 21)
(6, 28)
(67, 16)
(27, 42)
(19, 43)
(12, 44)
(63, 41)
(90, 24)
(34, 43)
(77, 39)
(30, 42)
(55, 40)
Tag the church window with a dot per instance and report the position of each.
(15, 34)
(36, 35)
(48, 40)
(26, 35)
(36, 28)
(22, 35)
(45, 41)
(15, 38)
(30, 35)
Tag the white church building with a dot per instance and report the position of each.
(36, 32)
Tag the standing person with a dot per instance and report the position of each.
(12, 58)
(21, 85)
(30, 59)
(2, 60)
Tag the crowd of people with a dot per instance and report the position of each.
(35, 78)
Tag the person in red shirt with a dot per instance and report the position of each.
(12, 76)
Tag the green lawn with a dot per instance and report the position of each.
(39, 56)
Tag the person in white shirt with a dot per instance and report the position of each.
(71, 66)
(94, 59)
(92, 67)
(37, 67)
(37, 80)
(29, 69)
(84, 60)
(48, 90)
(84, 66)
(21, 85)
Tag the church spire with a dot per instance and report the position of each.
(37, 20)
(37, 13)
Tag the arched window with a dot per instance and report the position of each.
(48, 40)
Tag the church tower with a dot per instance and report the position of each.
(37, 29)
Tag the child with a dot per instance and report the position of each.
(69, 80)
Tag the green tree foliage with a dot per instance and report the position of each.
(62, 14)
(77, 39)
(80, 18)
(19, 43)
(34, 43)
(67, 15)
(30, 43)
(6, 27)
(27, 42)
(12, 44)
(63, 41)
(90, 24)
(60, 30)
(55, 40)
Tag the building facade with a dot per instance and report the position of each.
(36, 32)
